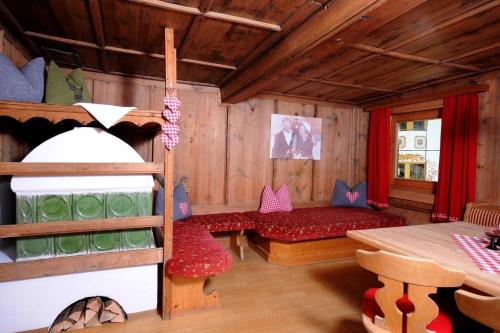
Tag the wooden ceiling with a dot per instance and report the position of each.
(354, 51)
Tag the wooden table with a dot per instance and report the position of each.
(433, 241)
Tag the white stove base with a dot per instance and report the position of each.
(35, 303)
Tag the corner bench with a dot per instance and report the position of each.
(236, 223)
(196, 257)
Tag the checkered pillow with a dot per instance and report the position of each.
(278, 201)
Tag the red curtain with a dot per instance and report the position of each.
(379, 156)
(457, 161)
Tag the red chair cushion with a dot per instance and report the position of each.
(196, 253)
(223, 222)
(442, 323)
(322, 222)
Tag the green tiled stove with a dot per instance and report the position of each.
(73, 198)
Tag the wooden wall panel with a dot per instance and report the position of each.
(488, 150)
(336, 145)
(297, 174)
(200, 159)
(249, 165)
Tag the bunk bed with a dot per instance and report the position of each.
(148, 119)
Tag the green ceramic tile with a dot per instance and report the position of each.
(144, 203)
(121, 204)
(88, 206)
(137, 239)
(26, 209)
(53, 207)
(34, 247)
(71, 244)
(105, 241)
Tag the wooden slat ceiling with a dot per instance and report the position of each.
(354, 51)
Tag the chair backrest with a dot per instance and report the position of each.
(421, 278)
(482, 214)
(483, 309)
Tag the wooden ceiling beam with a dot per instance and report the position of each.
(343, 84)
(209, 14)
(425, 33)
(122, 50)
(410, 57)
(427, 97)
(474, 52)
(298, 16)
(97, 26)
(369, 102)
(193, 29)
(320, 27)
(18, 29)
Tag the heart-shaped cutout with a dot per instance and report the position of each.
(183, 206)
(171, 116)
(352, 196)
(172, 103)
(169, 142)
(170, 129)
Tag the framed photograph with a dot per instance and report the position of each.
(295, 137)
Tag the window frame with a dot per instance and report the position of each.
(420, 185)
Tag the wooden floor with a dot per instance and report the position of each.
(261, 297)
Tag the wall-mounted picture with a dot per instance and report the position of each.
(294, 137)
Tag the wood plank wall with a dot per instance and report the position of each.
(222, 157)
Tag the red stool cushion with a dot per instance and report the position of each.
(223, 221)
(442, 324)
(196, 253)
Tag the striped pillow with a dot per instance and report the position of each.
(488, 217)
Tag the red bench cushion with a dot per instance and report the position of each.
(322, 222)
(223, 221)
(196, 253)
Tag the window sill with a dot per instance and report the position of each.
(411, 195)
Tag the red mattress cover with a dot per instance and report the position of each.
(322, 222)
(196, 253)
(223, 221)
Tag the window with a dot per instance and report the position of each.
(416, 143)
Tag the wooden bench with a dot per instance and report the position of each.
(196, 257)
(236, 223)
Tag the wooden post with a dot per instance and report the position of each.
(170, 82)
(1, 40)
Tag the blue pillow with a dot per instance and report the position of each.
(343, 196)
(21, 85)
(182, 207)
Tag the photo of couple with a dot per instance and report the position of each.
(294, 137)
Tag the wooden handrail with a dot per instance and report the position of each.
(30, 269)
(71, 227)
(55, 168)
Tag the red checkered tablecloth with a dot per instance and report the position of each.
(487, 260)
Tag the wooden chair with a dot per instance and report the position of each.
(483, 214)
(411, 306)
(483, 309)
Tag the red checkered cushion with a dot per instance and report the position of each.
(322, 222)
(489, 217)
(275, 202)
(196, 253)
(223, 221)
(442, 323)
